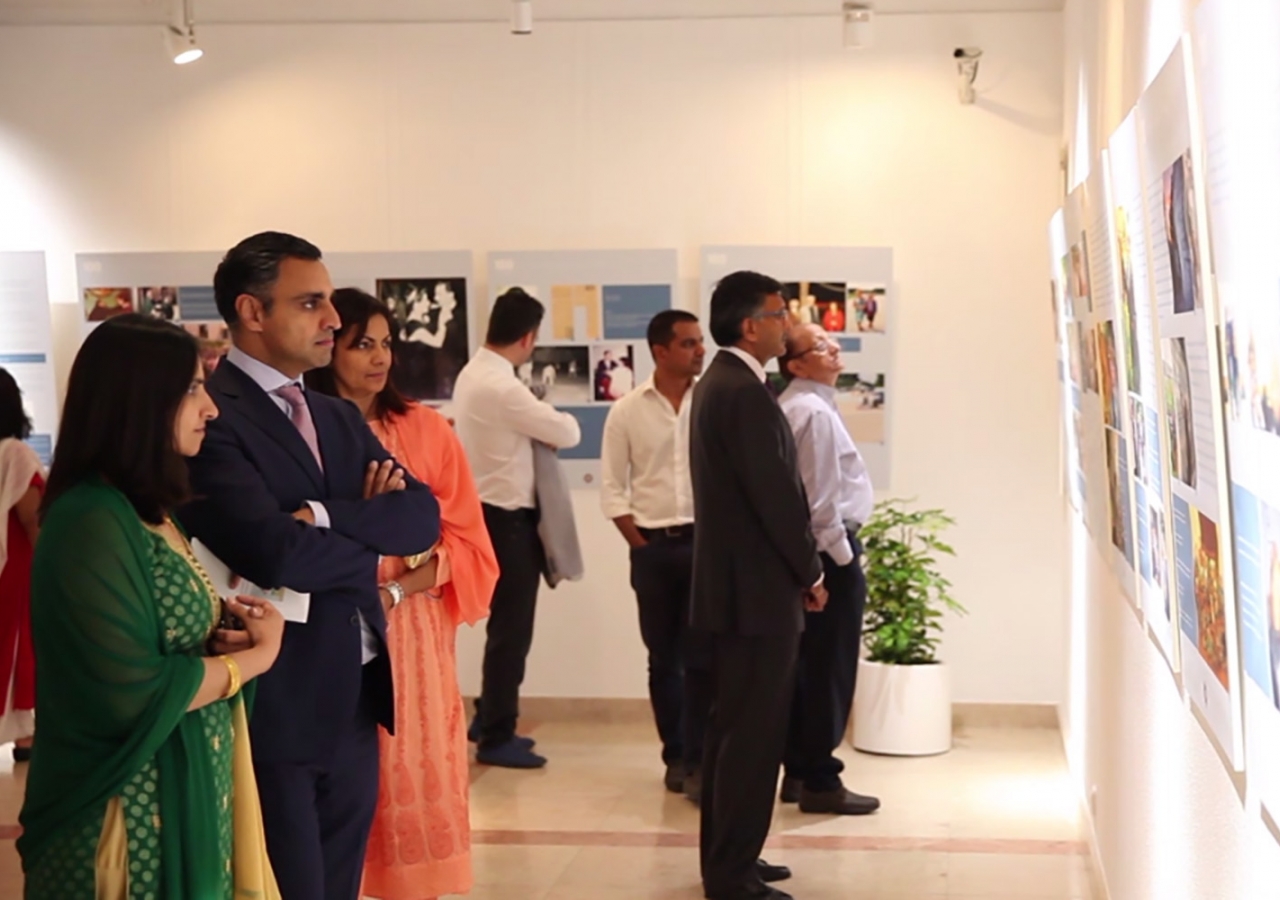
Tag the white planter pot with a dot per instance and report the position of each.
(902, 710)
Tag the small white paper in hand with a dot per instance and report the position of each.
(294, 606)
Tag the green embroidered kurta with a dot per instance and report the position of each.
(120, 621)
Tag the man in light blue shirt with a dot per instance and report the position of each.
(840, 501)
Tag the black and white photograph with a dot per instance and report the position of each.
(433, 348)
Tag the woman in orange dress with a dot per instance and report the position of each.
(420, 846)
(21, 489)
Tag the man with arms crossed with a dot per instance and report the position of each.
(840, 501)
(646, 491)
(295, 491)
(755, 570)
(498, 419)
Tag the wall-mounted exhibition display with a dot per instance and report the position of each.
(592, 348)
(26, 343)
(1111, 323)
(849, 292)
(1239, 76)
(1144, 375)
(426, 291)
(1193, 418)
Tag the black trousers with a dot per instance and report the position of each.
(679, 656)
(753, 679)
(509, 633)
(317, 815)
(826, 675)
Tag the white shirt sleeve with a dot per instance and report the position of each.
(320, 514)
(615, 464)
(525, 414)
(819, 462)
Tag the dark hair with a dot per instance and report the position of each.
(662, 327)
(252, 267)
(738, 296)
(126, 385)
(14, 421)
(515, 314)
(356, 308)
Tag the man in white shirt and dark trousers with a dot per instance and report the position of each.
(840, 501)
(498, 419)
(647, 492)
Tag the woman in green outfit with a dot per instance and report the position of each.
(142, 783)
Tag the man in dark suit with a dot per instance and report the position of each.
(755, 571)
(294, 490)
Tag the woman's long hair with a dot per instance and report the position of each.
(126, 385)
(355, 309)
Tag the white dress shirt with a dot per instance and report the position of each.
(644, 459)
(497, 420)
(834, 475)
(271, 380)
(756, 366)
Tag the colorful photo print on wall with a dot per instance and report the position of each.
(562, 373)
(1178, 412)
(432, 314)
(101, 304)
(1211, 622)
(159, 303)
(861, 399)
(576, 313)
(866, 309)
(1109, 374)
(1080, 287)
(215, 341)
(1128, 309)
(613, 370)
(817, 303)
(1180, 234)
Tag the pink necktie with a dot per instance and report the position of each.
(300, 416)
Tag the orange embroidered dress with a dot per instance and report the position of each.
(420, 846)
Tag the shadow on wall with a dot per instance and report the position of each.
(1049, 126)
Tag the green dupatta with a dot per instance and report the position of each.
(110, 696)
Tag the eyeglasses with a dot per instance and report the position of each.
(774, 314)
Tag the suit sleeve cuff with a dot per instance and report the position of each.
(321, 514)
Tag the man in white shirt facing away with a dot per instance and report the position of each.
(840, 501)
(646, 490)
(498, 419)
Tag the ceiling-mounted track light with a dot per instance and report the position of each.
(522, 16)
(180, 36)
(857, 24)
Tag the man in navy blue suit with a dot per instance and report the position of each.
(293, 490)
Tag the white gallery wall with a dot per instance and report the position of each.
(617, 135)
(1168, 817)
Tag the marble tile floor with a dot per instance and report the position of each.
(995, 818)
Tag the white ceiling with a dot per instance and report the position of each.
(126, 12)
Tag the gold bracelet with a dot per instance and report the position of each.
(233, 671)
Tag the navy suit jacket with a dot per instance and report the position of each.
(253, 472)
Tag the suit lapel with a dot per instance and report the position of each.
(236, 386)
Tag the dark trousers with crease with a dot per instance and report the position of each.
(826, 676)
(753, 680)
(509, 632)
(679, 656)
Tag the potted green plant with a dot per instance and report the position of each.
(903, 701)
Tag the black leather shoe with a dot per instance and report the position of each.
(693, 787)
(841, 802)
(750, 892)
(674, 779)
(473, 735)
(769, 874)
(790, 790)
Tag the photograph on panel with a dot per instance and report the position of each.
(1211, 622)
(214, 339)
(861, 399)
(1180, 235)
(613, 370)
(102, 303)
(432, 314)
(1080, 287)
(1109, 374)
(576, 313)
(559, 375)
(866, 310)
(1138, 430)
(1128, 309)
(817, 303)
(159, 303)
(1252, 350)
(1117, 491)
(1178, 415)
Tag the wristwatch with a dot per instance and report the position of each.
(396, 592)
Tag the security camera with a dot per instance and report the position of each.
(967, 68)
